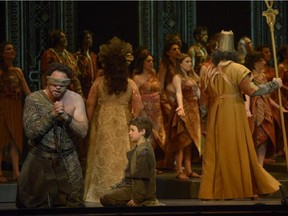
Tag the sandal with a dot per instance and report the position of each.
(3, 179)
(182, 176)
(194, 175)
(255, 197)
(159, 171)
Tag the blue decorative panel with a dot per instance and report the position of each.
(260, 30)
(158, 18)
(28, 27)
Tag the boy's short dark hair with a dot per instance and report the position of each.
(60, 67)
(142, 123)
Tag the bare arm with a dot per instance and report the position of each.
(92, 99)
(191, 53)
(247, 106)
(275, 105)
(136, 101)
(78, 121)
(136, 79)
(23, 83)
(176, 82)
(162, 74)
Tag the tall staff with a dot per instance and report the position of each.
(270, 15)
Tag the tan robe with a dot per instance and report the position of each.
(230, 166)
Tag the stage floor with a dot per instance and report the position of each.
(186, 202)
(171, 207)
(178, 198)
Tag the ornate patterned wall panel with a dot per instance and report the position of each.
(28, 25)
(14, 31)
(158, 18)
(259, 28)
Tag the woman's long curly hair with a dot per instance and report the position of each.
(116, 74)
(115, 57)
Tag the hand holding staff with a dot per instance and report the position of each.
(270, 15)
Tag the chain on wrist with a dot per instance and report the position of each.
(69, 120)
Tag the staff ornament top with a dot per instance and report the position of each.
(270, 14)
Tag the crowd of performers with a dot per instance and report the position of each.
(207, 102)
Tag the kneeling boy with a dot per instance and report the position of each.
(138, 188)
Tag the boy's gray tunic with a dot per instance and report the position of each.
(139, 183)
(51, 174)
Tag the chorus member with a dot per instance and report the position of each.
(86, 62)
(165, 75)
(152, 97)
(184, 128)
(244, 46)
(258, 109)
(57, 52)
(197, 51)
(12, 87)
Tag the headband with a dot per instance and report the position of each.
(56, 81)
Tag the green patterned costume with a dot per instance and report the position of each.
(51, 174)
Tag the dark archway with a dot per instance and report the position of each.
(107, 19)
(225, 15)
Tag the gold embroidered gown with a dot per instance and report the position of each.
(108, 138)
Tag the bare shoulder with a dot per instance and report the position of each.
(281, 66)
(18, 71)
(191, 49)
(72, 97)
(131, 82)
(176, 77)
(136, 77)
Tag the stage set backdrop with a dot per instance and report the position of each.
(27, 24)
